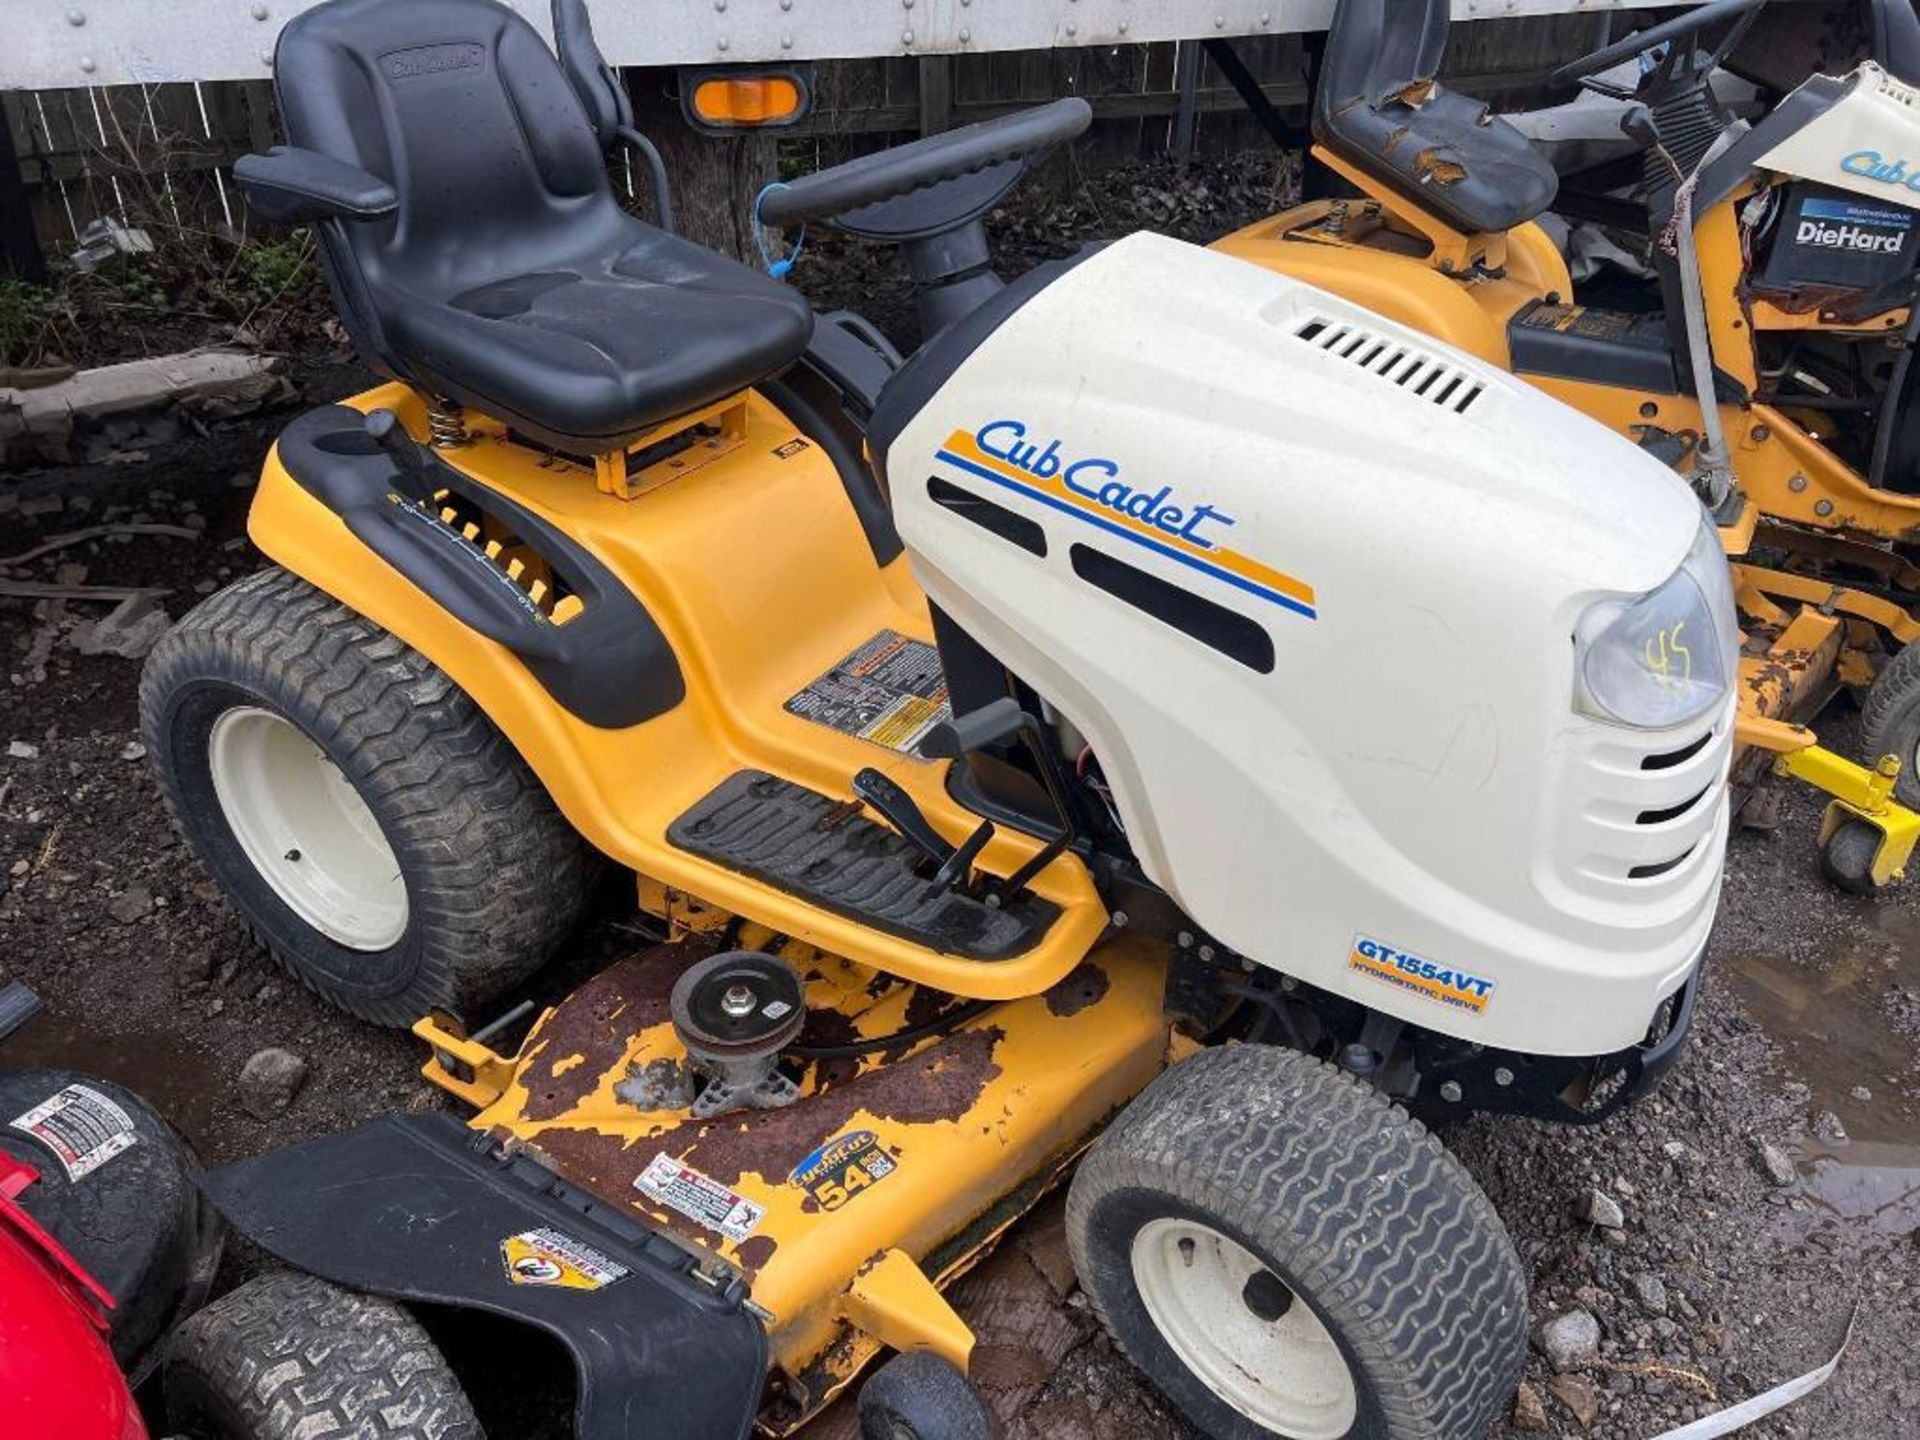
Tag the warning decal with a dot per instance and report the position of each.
(890, 691)
(83, 1128)
(548, 1257)
(700, 1198)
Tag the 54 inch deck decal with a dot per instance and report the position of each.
(842, 1168)
(1446, 985)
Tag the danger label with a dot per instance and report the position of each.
(891, 691)
(83, 1128)
(551, 1258)
(700, 1198)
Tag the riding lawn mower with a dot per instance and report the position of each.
(1129, 743)
(1770, 362)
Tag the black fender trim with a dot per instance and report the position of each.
(417, 1207)
(611, 665)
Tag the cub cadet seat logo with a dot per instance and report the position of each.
(1457, 988)
(1090, 490)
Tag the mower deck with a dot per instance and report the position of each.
(961, 1129)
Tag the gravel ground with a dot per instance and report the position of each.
(1717, 1281)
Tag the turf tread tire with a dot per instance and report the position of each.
(291, 1357)
(1351, 1200)
(496, 877)
(1890, 720)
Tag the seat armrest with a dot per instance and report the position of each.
(291, 186)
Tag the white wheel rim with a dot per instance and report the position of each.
(306, 830)
(1285, 1374)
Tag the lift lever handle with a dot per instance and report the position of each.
(383, 427)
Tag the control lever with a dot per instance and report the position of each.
(899, 810)
(383, 427)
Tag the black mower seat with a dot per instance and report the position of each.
(507, 277)
(1378, 107)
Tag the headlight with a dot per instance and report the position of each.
(1668, 657)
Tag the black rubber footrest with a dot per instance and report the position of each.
(809, 845)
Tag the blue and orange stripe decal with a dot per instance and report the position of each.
(1228, 566)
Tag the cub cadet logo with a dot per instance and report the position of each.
(1869, 165)
(1006, 440)
(1458, 988)
(1091, 490)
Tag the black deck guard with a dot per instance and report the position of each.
(417, 1207)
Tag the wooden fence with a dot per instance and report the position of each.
(160, 156)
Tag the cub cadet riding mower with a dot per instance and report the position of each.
(1779, 280)
(1157, 677)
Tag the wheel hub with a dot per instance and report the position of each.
(306, 830)
(1242, 1330)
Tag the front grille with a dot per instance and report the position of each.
(1643, 813)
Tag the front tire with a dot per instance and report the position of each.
(1284, 1253)
(382, 839)
(291, 1357)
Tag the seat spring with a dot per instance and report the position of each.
(446, 424)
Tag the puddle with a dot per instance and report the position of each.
(1865, 1180)
(1841, 1031)
(178, 1082)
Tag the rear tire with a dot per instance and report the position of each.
(379, 835)
(1283, 1252)
(1890, 721)
(290, 1357)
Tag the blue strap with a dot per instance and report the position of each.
(776, 268)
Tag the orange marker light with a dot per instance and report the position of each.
(748, 100)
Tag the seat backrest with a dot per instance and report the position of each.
(460, 106)
(1376, 49)
(1896, 39)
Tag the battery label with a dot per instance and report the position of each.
(700, 1198)
(83, 1128)
(891, 691)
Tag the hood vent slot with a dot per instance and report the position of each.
(1414, 370)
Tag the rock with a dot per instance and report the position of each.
(1570, 1341)
(1861, 1093)
(133, 750)
(1775, 1163)
(1529, 1411)
(1664, 1330)
(21, 750)
(269, 1081)
(1828, 1127)
(131, 905)
(1596, 1207)
(130, 630)
(1650, 1291)
(1578, 1396)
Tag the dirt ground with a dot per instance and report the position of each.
(1720, 1282)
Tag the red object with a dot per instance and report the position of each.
(58, 1377)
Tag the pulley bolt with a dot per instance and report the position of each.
(738, 1001)
(1823, 507)
(1450, 1092)
(1503, 1076)
(1797, 483)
